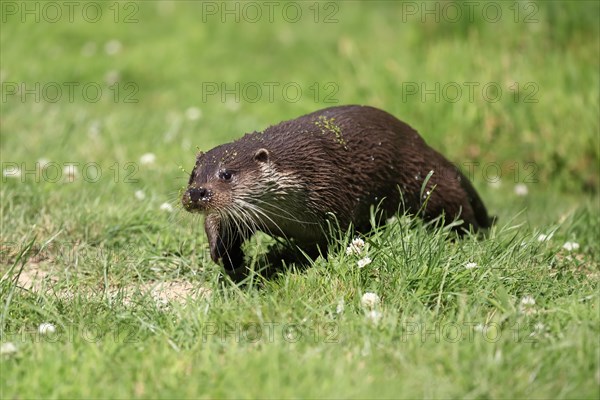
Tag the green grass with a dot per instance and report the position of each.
(141, 311)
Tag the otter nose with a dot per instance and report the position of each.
(197, 194)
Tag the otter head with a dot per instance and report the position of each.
(222, 178)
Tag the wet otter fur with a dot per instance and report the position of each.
(331, 165)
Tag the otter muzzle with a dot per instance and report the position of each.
(196, 199)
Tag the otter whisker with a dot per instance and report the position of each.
(292, 217)
(247, 223)
(253, 217)
(281, 233)
(231, 228)
(259, 211)
(235, 231)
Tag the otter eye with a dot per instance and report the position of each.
(225, 175)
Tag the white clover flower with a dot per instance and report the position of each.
(70, 171)
(340, 307)
(521, 189)
(374, 316)
(358, 242)
(570, 246)
(140, 195)
(147, 159)
(471, 265)
(232, 106)
(355, 247)
(89, 49)
(363, 262)
(527, 305)
(498, 356)
(112, 76)
(166, 207)
(8, 348)
(43, 163)
(193, 113)
(496, 184)
(542, 237)
(113, 47)
(370, 300)
(94, 129)
(528, 301)
(46, 328)
(539, 327)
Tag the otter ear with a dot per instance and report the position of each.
(261, 155)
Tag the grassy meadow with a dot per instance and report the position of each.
(107, 288)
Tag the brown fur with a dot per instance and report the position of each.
(337, 162)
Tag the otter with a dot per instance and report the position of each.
(296, 177)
